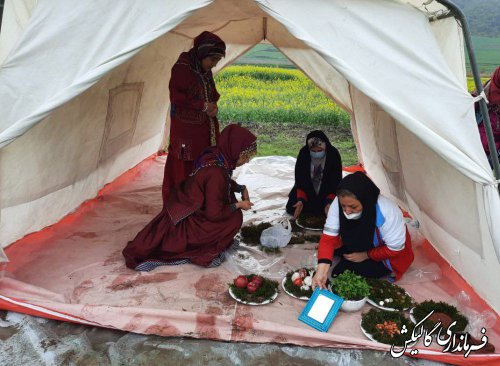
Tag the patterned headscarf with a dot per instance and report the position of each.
(234, 142)
(208, 44)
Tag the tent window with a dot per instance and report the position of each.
(121, 119)
(387, 145)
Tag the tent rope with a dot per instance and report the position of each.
(482, 95)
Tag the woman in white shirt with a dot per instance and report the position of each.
(367, 230)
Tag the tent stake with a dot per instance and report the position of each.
(458, 14)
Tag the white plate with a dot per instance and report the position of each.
(370, 337)
(254, 303)
(305, 298)
(373, 303)
(412, 318)
(307, 228)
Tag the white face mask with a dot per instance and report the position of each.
(353, 216)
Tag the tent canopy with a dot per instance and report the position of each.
(84, 97)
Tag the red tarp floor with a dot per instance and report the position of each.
(74, 271)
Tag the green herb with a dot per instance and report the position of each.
(350, 286)
(251, 233)
(424, 308)
(373, 323)
(312, 238)
(313, 222)
(268, 250)
(263, 293)
(297, 240)
(380, 290)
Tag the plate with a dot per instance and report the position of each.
(370, 337)
(305, 298)
(373, 303)
(254, 303)
(307, 228)
(412, 318)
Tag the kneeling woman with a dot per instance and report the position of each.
(318, 171)
(202, 215)
(367, 230)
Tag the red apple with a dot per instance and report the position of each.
(298, 282)
(241, 281)
(258, 280)
(252, 287)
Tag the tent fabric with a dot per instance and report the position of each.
(84, 97)
(74, 271)
(16, 15)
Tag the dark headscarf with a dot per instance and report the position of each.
(208, 44)
(357, 235)
(234, 141)
(332, 172)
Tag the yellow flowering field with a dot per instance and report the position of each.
(269, 94)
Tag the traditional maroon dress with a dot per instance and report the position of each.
(191, 129)
(199, 220)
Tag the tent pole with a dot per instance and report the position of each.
(458, 14)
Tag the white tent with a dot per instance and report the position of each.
(84, 97)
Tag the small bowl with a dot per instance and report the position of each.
(350, 306)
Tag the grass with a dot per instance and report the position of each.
(470, 83)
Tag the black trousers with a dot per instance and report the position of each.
(368, 268)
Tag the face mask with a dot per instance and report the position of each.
(317, 154)
(354, 215)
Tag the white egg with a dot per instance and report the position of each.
(308, 280)
(295, 276)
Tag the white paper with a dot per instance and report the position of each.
(320, 309)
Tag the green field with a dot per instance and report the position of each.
(487, 51)
(265, 55)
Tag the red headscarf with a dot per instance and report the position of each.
(234, 141)
(494, 94)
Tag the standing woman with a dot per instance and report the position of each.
(202, 216)
(366, 230)
(193, 108)
(318, 171)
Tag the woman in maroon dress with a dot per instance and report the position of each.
(193, 108)
(202, 215)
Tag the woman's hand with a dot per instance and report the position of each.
(212, 109)
(244, 205)
(321, 275)
(298, 209)
(356, 257)
(244, 195)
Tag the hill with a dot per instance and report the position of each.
(483, 16)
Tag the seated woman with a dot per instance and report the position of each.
(201, 216)
(367, 230)
(318, 171)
